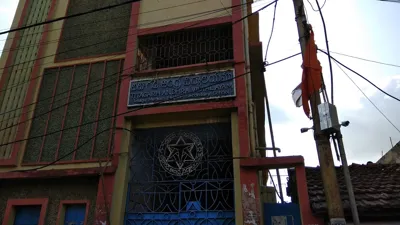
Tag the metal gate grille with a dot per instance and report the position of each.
(181, 175)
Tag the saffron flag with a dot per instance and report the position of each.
(311, 79)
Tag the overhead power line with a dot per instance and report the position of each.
(152, 105)
(124, 36)
(367, 60)
(281, 60)
(380, 89)
(24, 82)
(262, 8)
(60, 40)
(67, 17)
(319, 9)
(62, 99)
(272, 32)
(108, 19)
(129, 111)
(118, 128)
(376, 107)
(71, 89)
(327, 48)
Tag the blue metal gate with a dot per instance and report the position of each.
(282, 214)
(181, 175)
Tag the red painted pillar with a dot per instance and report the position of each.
(249, 178)
(307, 217)
(103, 201)
(250, 197)
(128, 70)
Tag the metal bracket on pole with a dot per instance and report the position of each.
(268, 148)
(337, 221)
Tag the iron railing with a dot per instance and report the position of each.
(185, 47)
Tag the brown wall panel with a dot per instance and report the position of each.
(99, 33)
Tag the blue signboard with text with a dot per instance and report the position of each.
(193, 87)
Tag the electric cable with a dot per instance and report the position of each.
(129, 111)
(102, 42)
(68, 91)
(210, 12)
(367, 60)
(272, 31)
(319, 9)
(281, 60)
(364, 78)
(67, 17)
(108, 19)
(66, 104)
(273, 183)
(60, 40)
(120, 114)
(108, 59)
(366, 96)
(327, 48)
(262, 8)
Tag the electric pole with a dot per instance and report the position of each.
(328, 174)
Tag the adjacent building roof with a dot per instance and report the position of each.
(392, 156)
(376, 187)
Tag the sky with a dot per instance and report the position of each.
(363, 28)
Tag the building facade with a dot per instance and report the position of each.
(135, 114)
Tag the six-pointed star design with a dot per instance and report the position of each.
(180, 152)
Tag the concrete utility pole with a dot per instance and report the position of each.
(329, 179)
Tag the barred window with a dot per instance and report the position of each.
(185, 47)
(98, 33)
(68, 98)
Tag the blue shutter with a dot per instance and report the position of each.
(75, 214)
(27, 215)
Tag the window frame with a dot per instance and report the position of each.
(9, 215)
(62, 208)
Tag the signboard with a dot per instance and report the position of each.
(193, 87)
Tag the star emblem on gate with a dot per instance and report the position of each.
(180, 153)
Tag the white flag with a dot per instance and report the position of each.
(296, 96)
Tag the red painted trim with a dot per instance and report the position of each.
(191, 66)
(183, 108)
(90, 57)
(23, 127)
(16, 38)
(57, 173)
(113, 121)
(65, 112)
(63, 203)
(49, 116)
(307, 216)
(11, 203)
(82, 110)
(129, 65)
(104, 197)
(242, 104)
(192, 24)
(65, 162)
(96, 125)
(271, 162)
